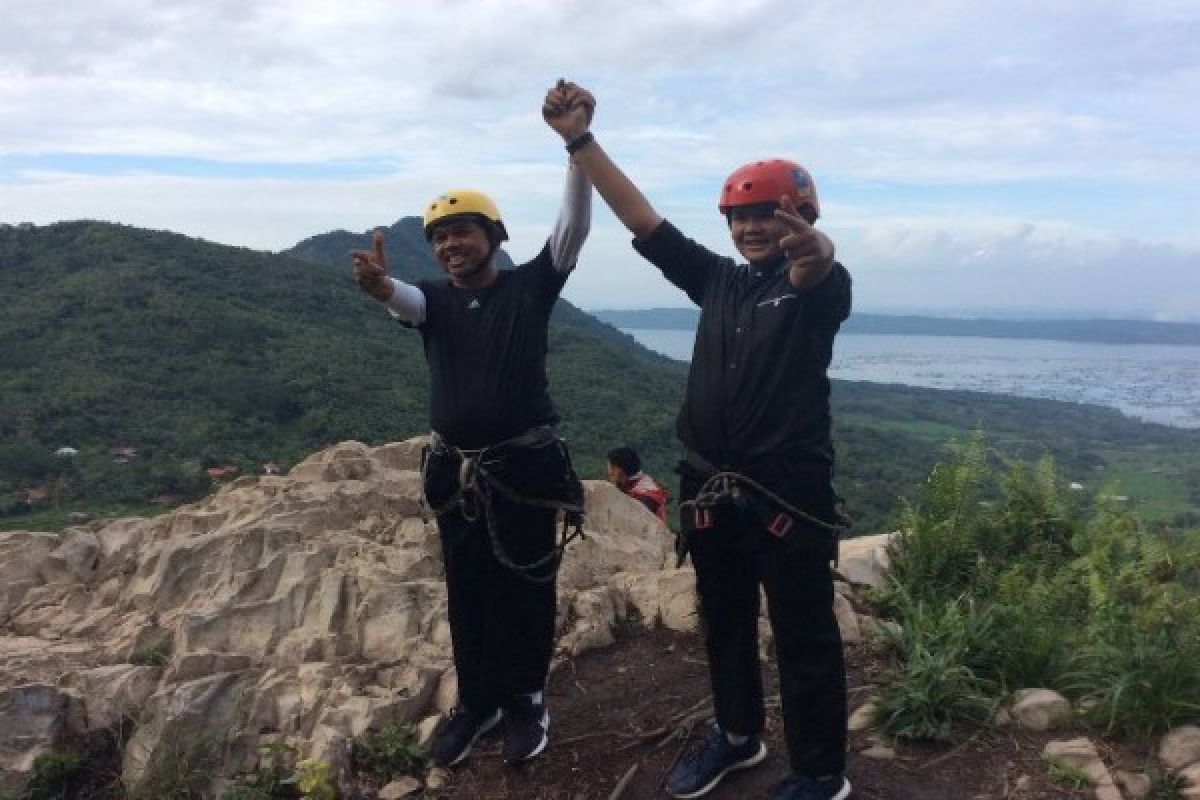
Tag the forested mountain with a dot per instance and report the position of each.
(155, 354)
(114, 336)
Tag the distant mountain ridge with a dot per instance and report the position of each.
(410, 259)
(1104, 331)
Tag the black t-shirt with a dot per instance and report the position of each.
(486, 350)
(757, 393)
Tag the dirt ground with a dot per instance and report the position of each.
(627, 712)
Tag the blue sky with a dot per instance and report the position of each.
(971, 157)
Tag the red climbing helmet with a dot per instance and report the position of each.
(766, 182)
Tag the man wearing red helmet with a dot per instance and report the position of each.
(757, 500)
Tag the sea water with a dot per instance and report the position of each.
(1156, 383)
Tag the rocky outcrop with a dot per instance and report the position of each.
(305, 608)
(301, 609)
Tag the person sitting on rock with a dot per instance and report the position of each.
(625, 471)
(496, 474)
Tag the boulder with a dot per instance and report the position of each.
(1081, 754)
(1039, 709)
(35, 719)
(1180, 748)
(864, 560)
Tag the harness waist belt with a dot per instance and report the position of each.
(536, 436)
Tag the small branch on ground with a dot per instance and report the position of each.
(623, 783)
(683, 740)
(958, 748)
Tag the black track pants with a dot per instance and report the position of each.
(501, 624)
(731, 561)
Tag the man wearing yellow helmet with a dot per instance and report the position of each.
(495, 474)
(758, 505)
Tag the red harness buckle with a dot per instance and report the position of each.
(780, 525)
(703, 518)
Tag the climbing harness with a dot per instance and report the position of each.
(478, 483)
(724, 487)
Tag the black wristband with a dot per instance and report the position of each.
(579, 142)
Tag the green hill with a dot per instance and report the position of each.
(190, 352)
(201, 355)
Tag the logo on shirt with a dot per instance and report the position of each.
(775, 301)
(474, 303)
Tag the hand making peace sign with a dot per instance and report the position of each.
(370, 269)
(808, 250)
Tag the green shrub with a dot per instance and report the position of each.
(1036, 623)
(1140, 663)
(184, 771)
(936, 554)
(155, 653)
(53, 774)
(935, 689)
(1007, 580)
(1166, 786)
(1067, 775)
(391, 751)
(1140, 681)
(315, 780)
(272, 781)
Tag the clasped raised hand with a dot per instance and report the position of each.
(568, 109)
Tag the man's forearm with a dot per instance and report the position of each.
(619, 192)
(574, 220)
(809, 276)
(405, 301)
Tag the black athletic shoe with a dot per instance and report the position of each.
(457, 733)
(525, 730)
(703, 768)
(802, 787)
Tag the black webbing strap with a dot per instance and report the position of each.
(725, 486)
(478, 483)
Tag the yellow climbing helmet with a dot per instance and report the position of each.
(460, 202)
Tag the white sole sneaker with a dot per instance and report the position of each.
(745, 763)
(488, 724)
(544, 723)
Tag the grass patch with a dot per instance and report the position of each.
(389, 752)
(1156, 479)
(55, 521)
(1067, 775)
(55, 774)
(153, 653)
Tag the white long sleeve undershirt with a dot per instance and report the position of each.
(574, 221)
(407, 302)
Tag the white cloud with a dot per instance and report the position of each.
(987, 264)
(960, 113)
